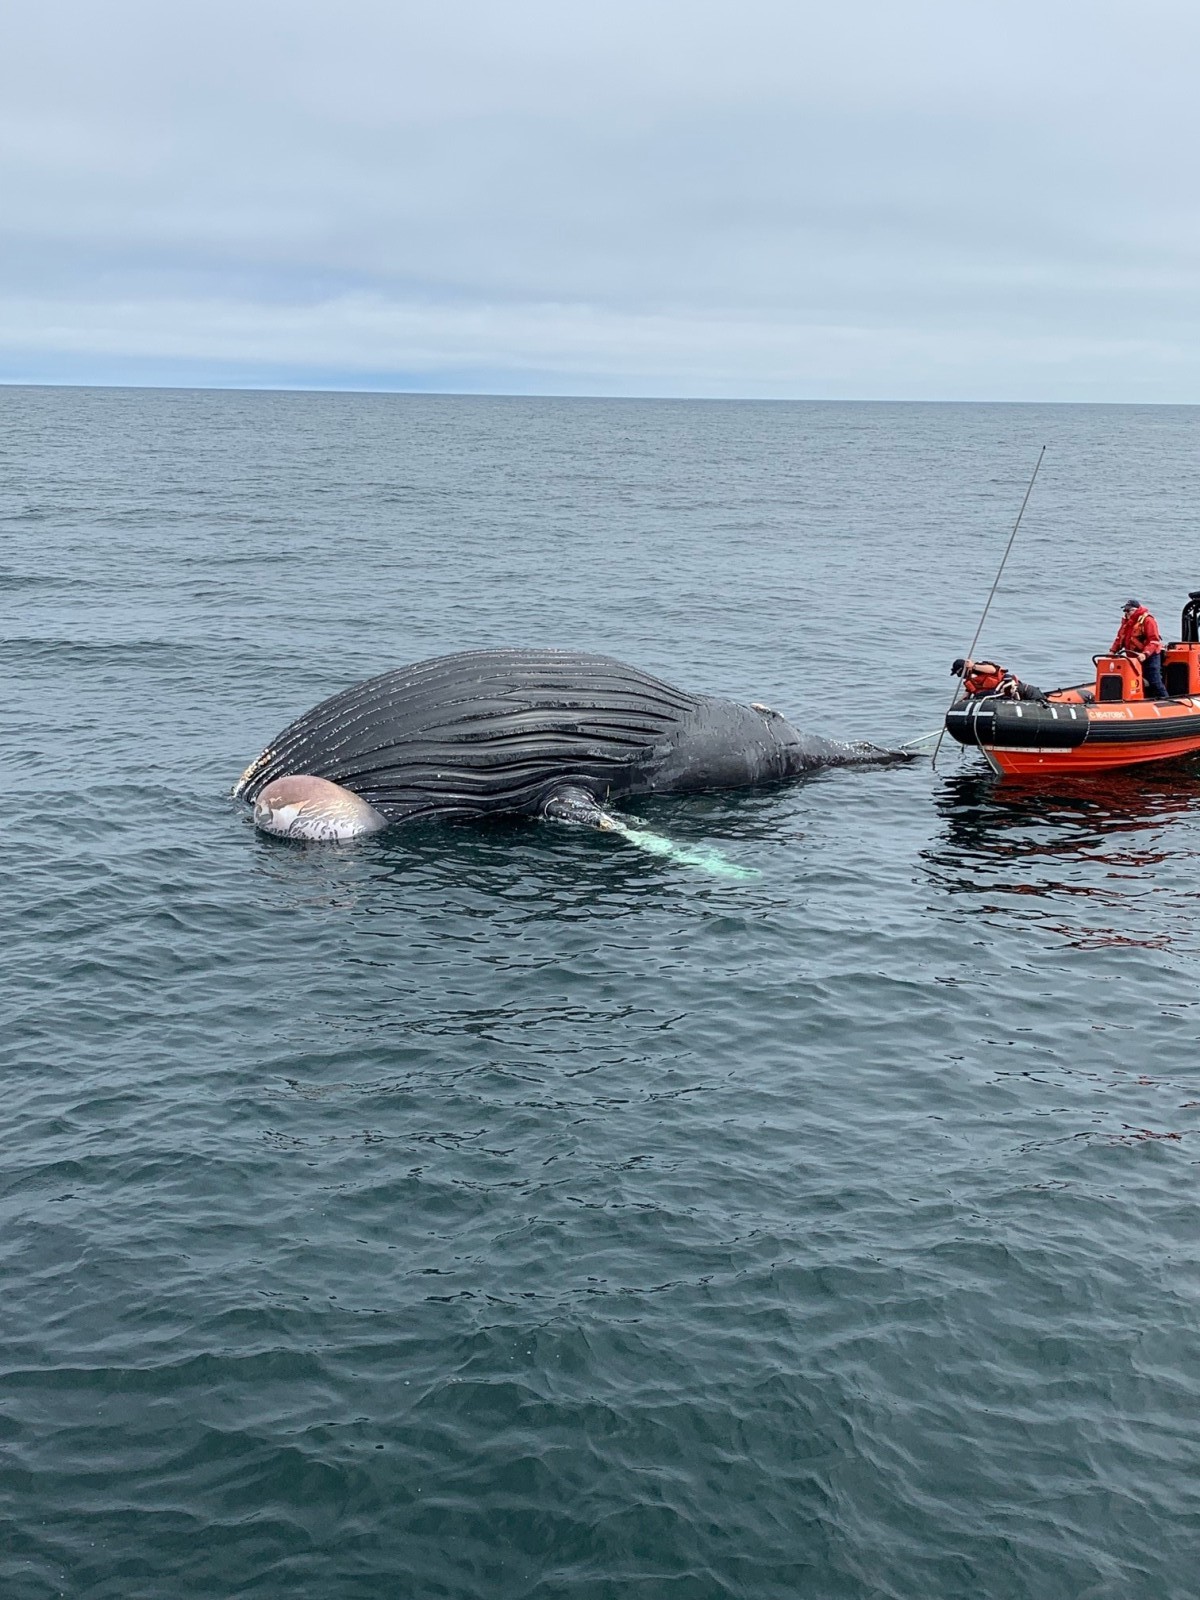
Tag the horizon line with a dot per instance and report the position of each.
(523, 394)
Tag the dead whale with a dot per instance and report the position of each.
(557, 733)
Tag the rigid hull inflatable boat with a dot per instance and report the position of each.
(1093, 727)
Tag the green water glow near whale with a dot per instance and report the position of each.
(707, 860)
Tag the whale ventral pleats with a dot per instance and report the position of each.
(497, 732)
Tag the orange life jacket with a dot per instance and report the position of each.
(984, 677)
(1138, 634)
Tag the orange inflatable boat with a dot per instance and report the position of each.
(1093, 727)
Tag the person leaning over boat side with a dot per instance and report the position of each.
(1139, 639)
(988, 677)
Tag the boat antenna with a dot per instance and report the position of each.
(991, 595)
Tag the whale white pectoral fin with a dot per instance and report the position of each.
(702, 856)
(576, 805)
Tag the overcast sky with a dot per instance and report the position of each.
(902, 199)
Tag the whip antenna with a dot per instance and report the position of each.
(991, 595)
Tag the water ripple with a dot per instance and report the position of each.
(505, 1211)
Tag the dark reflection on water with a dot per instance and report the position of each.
(987, 813)
(1097, 839)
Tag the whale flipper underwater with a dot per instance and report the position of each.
(530, 733)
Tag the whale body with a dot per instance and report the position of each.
(517, 732)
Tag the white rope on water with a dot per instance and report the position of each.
(922, 738)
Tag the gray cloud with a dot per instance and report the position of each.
(927, 199)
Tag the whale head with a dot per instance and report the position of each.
(300, 806)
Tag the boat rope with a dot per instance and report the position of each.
(922, 738)
(970, 656)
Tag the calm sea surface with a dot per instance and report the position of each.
(507, 1212)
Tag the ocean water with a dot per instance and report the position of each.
(507, 1211)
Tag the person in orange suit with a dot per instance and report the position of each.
(989, 677)
(1139, 639)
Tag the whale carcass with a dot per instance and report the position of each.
(533, 733)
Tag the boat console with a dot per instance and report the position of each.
(1117, 678)
(1181, 660)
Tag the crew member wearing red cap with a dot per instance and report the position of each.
(1139, 639)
